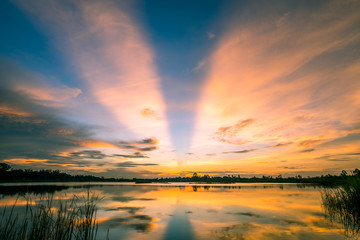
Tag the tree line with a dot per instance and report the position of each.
(8, 174)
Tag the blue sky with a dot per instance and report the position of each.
(155, 88)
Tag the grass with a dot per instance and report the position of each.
(49, 219)
(342, 205)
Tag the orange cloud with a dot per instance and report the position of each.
(42, 92)
(13, 111)
(23, 161)
(98, 144)
(149, 113)
(284, 72)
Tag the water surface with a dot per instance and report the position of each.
(195, 211)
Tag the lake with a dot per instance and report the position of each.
(194, 211)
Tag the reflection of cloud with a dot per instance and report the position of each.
(131, 210)
(248, 214)
(293, 222)
(141, 223)
(129, 199)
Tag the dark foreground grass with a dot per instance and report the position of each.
(342, 205)
(48, 219)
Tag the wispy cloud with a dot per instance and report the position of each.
(145, 145)
(211, 35)
(134, 155)
(229, 134)
(293, 70)
(106, 46)
(149, 113)
(281, 145)
(241, 151)
(199, 66)
(133, 164)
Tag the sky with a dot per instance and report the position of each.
(167, 88)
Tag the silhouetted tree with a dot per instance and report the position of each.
(4, 167)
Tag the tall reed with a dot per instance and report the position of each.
(342, 205)
(49, 219)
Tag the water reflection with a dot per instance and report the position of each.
(179, 226)
(200, 211)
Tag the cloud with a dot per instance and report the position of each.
(231, 131)
(308, 150)
(210, 154)
(104, 44)
(290, 68)
(281, 145)
(355, 154)
(337, 160)
(34, 135)
(42, 92)
(228, 134)
(149, 113)
(233, 141)
(286, 167)
(145, 145)
(147, 149)
(215, 172)
(211, 35)
(309, 143)
(147, 173)
(26, 135)
(92, 154)
(148, 141)
(340, 157)
(132, 164)
(134, 155)
(242, 151)
(199, 66)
